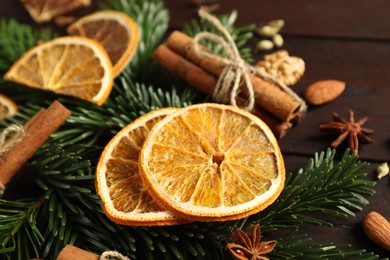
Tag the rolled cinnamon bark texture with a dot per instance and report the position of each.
(206, 82)
(267, 95)
(71, 252)
(37, 130)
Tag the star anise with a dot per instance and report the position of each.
(247, 246)
(353, 130)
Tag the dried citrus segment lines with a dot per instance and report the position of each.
(208, 189)
(257, 182)
(74, 66)
(172, 136)
(232, 129)
(212, 162)
(169, 155)
(262, 163)
(118, 183)
(45, 10)
(181, 182)
(115, 31)
(206, 126)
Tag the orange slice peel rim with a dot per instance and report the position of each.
(127, 22)
(220, 213)
(160, 218)
(11, 106)
(98, 50)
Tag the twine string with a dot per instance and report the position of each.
(14, 131)
(112, 254)
(236, 71)
(235, 67)
(6, 143)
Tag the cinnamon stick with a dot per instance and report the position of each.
(27, 125)
(205, 82)
(71, 252)
(37, 130)
(267, 95)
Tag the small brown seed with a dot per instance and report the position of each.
(377, 228)
(323, 91)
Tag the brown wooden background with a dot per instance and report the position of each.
(347, 40)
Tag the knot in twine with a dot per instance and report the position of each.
(235, 68)
(6, 142)
(112, 255)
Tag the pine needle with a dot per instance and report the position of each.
(334, 189)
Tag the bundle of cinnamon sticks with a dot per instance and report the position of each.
(274, 106)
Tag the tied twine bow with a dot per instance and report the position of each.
(6, 143)
(235, 68)
(112, 254)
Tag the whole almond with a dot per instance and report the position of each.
(323, 91)
(377, 228)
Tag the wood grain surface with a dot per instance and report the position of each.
(347, 40)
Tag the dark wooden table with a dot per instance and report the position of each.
(347, 40)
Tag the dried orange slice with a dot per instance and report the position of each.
(75, 66)
(7, 107)
(45, 10)
(115, 31)
(212, 162)
(126, 200)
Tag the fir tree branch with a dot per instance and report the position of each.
(18, 228)
(71, 212)
(67, 176)
(334, 189)
(302, 247)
